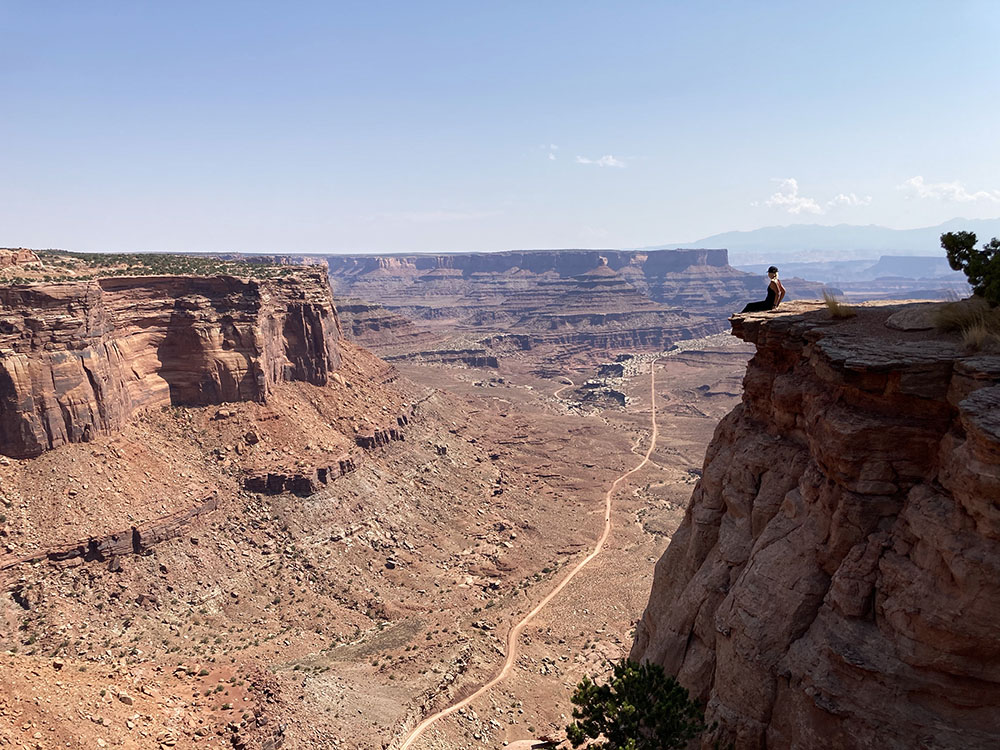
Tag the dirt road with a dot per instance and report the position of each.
(515, 632)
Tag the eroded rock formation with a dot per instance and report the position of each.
(375, 327)
(132, 541)
(428, 286)
(78, 358)
(306, 479)
(16, 256)
(836, 580)
(572, 300)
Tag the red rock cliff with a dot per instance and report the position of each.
(79, 358)
(836, 580)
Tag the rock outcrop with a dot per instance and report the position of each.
(836, 580)
(303, 481)
(16, 256)
(376, 437)
(136, 540)
(77, 359)
(306, 479)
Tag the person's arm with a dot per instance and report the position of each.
(781, 292)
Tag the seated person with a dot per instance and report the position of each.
(775, 293)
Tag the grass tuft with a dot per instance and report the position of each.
(837, 308)
(974, 320)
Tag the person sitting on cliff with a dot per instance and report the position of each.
(775, 293)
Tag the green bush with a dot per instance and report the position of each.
(640, 708)
(981, 267)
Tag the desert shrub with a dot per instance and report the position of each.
(957, 315)
(979, 336)
(837, 308)
(973, 319)
(981, 267)
(639, 708)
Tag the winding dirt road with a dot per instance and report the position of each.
(557, 391)
(515, 632)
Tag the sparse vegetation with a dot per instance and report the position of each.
(71, 266)
(981, 267)
(974, 320)
(980, 336)
(639, 708)
(838, 309)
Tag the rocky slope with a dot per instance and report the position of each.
(834, 583)
(78, 358)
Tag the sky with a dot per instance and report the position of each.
(467, 126)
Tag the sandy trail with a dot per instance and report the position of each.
(515, 632)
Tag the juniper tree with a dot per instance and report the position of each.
(639, 708)
(981, 267)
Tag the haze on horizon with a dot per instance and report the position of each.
(457, 126)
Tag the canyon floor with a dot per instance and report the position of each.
(343, 618)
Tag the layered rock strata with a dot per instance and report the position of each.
(836, 579)
(570, 300)
(302, 481)
(475, 286)
(436, 286)
(306, 480)
(136, 540)
(77, 359)
(378, 329)
(380, 436)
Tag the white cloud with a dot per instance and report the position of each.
(849, 199)
(551, 149)
(947, 191)
(552, 157)
(788, 199)
(605, 161)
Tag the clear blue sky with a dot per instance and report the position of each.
(475, 125)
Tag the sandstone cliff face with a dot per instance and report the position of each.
(836, 580)
(79, 358)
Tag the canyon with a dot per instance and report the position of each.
(570, 302)
(226, 523)
(300, 544)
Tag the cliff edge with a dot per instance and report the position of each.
(836, 579)
(77, 358)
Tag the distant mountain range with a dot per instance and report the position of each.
(842, 241)
(929, 268)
